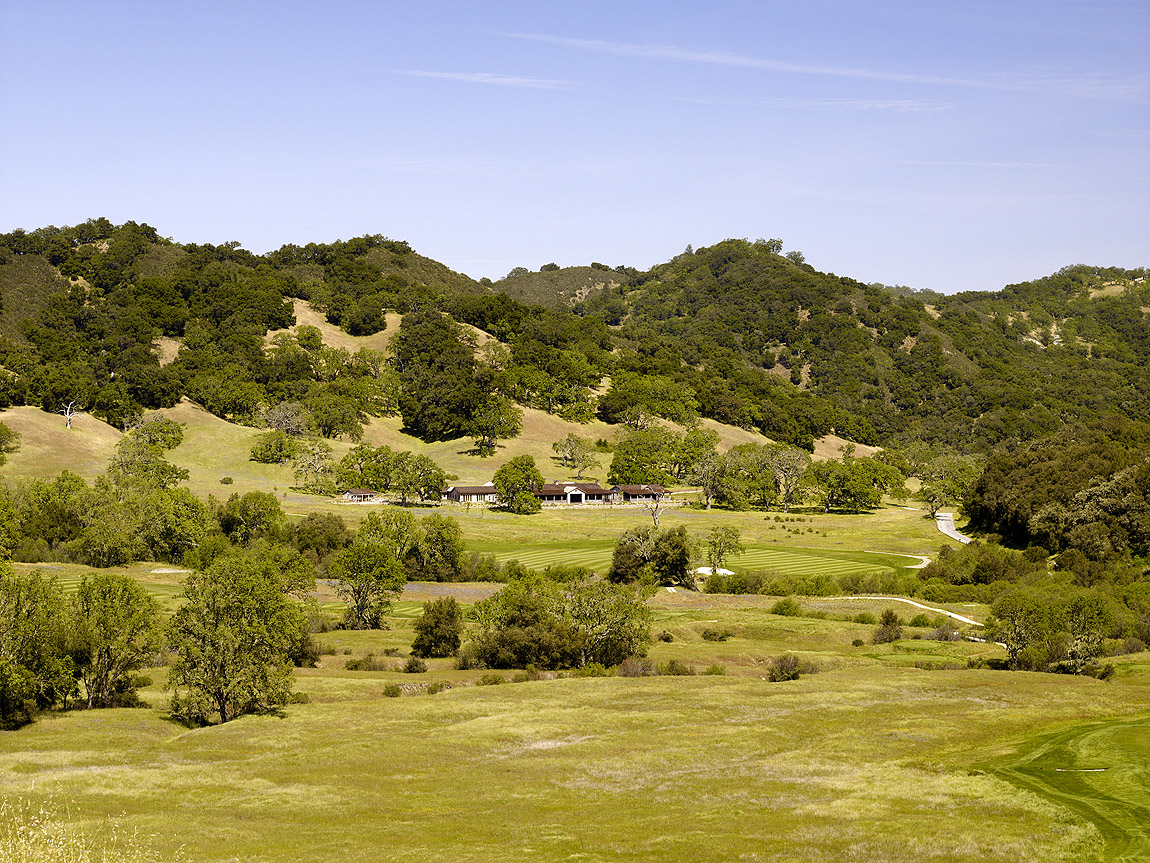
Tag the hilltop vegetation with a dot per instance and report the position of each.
(559, 288)
(735, 332)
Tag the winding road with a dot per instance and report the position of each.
(945, 522)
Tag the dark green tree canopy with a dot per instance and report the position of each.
(438, 630)
(517, 483)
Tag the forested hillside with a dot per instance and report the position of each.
(736, 332)
(1029, 407)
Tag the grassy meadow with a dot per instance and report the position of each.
(871, 758)
(909, 751)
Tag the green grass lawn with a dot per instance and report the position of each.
(1101, 771)
(871, 758)
(596, 555)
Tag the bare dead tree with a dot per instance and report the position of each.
(655, 507)
(69, 410)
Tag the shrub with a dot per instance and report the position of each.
(665, 636)
(715, 668)
(305, 653)
(789, 667)
(526, 630)
(392, 690)
(367, 663)
(921, 621)
(865, 617)
(736, 583)
(32, 550)
(676, 668)
(889, 627)
(858, 642)
(1036, 554)
(1103, 671)
(226, 480)
(635, 666)
(945, 631)
(1131, 645)
(491, 680)
(715, 635)
(787, 607)
(274, 447)
(437, 687)
(467, 658)
(414, 665)
(785, 667)
(318, 622)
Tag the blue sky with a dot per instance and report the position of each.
(953, 146)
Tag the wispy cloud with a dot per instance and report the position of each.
(494, 79)
(942, 164)
(1090, 86)
(1132, 134)
(899, 105)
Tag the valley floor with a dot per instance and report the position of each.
(872, 758)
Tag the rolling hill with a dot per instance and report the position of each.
(733, 332)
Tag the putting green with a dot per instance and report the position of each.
(1101, 771)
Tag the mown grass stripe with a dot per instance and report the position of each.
(598, 558)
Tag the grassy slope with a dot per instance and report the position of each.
(26, 282)
(213, 449)
(48, 447)
(557, 289)
(868, 760)
(1099, 771)
(336, 337)
(540, 429)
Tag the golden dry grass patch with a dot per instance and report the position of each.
(831, 446)
(168, 348)
(335, 336)
(47, 446)
(1108, 289)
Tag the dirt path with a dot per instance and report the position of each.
(917, 605)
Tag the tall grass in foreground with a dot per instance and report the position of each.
(37, 833)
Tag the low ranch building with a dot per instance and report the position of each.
(472, 493)
(574, 493)
(360, 495)
(638, 493)
(561, 494)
